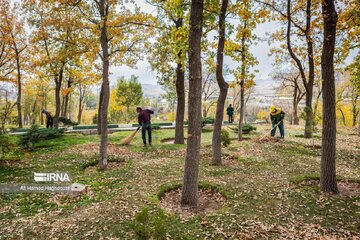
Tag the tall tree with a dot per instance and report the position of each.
(103, 8)
(301, 44)
(239, 50)
(328, 157)
(6, 108)
(120, 35)
(168, 53)
(216, 139)
(58, 36)
(129, 94)
(308, 82)
(354, 69)
(85, 74)
(13, 28)
(190, 195)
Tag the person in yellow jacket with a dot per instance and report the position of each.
(277, 117)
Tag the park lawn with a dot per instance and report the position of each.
(271, 190)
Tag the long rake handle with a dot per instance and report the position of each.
(270, 130)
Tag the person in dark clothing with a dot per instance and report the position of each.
(277, 117)
(49, 119)
(144, 119)
(230, 113)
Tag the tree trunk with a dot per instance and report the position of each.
(43, 106)
(242, 112)
(242, 90)
(204, 111)
(33, 113)
(81, 105)
(295, 105)
(190, 195)
(58, 82)
(354, 110)
(342, 116)
(223, 86)
(308, 116)
(62, 106)
(99, 110)
(328, 159)
(105, 88)
(79, 115)
(359, 126)
(310, 83)
(66, 100)
(18, 101)
(180, 92)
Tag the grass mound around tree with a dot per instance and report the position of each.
(210, 199)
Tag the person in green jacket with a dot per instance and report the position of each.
(230, 113)
(277, 117)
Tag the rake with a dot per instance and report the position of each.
(269, 131)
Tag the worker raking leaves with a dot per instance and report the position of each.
(277, 120)
(144, 119)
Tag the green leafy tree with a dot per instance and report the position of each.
(239, 49)
(354, 69)
(129, 93)
(168, 53)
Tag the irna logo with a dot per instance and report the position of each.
(51, 177)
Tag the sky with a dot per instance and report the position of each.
(260, 51)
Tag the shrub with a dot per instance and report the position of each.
(150, 224)
(207, 120)
(5, 145)
(35, 134)
(246, 129)
(67, 122)
(204, 120)
(225, 138)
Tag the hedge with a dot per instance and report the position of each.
(158, 124)
(93, 126)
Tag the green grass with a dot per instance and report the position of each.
(272, 184)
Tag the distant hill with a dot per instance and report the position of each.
(265, 87)
(152, 90)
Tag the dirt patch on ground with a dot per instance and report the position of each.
(349, 189)
(209, 201)
(346, 188)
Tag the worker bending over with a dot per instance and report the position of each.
(277, 120)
